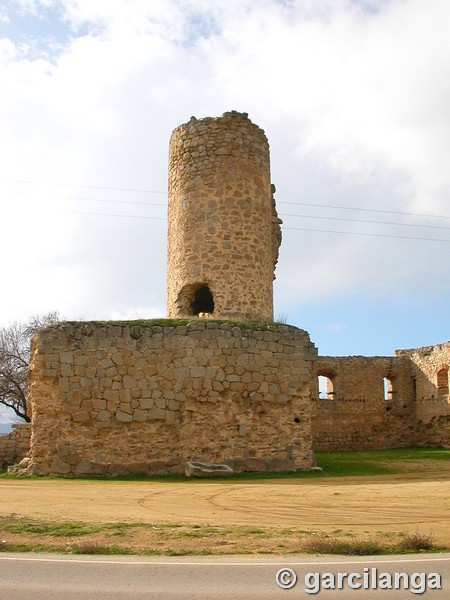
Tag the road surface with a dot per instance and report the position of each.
(57, 577)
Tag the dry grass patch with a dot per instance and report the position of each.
(180, 539)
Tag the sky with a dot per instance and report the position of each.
(354, 98)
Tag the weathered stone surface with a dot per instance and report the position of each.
(382, 401)
(224, 232)
(120, 397)
(124, 417)
(15, 445)
(59, 467)
(184, 412)
(25, 462)
(199, 469)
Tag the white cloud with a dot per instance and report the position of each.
(353, 97)
(4, 16)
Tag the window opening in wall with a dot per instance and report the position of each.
(442, 381)
(203, 301)
(326, 388)
(389, 387)
(414, 387)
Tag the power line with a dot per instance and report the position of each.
(285, 214)
(132, 202)
(390, 212)
(148, 191)
(97, 200)
(80, 185)
(164, 205)
(401, 237)
(363, 221)
(95, 214)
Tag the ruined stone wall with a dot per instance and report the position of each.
(223, 229)
(117, 398)
(359, 413)
(430, 367)
(15, 445)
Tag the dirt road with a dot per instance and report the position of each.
(362, 505)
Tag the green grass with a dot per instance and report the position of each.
(375, 462)
(252, 325)
(13, 524)
(43, 534)
(346, 463)
(166, 533)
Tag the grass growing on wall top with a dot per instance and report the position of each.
(252, 325)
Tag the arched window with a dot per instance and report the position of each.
(195, 299)
(326, 387)
(442, 381)
(203, 301)
(390, 388)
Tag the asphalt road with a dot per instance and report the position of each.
(54, 577)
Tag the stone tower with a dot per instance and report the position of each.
(224, 233)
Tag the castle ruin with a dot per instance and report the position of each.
(218, 381)
(224, 232)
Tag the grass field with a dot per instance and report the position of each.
(361, 503)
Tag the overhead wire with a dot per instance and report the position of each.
(303, 216)
(148, 191)
(95, 214)
(83, 185)
(386, 235)
(377, 210)
(402, 237)
(101, 200)
(364, 221)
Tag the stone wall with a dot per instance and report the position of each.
(429, 370)
(223, 228)
(140, 397)
(362, 411)
(15, 445)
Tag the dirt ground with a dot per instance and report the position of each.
(246, 516)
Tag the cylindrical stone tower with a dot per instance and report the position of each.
(224, 232)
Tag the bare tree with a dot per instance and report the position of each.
(15, 341)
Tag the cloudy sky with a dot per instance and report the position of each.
(354, 96)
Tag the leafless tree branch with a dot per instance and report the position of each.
(15, 341)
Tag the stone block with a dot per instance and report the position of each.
(157, 414)
(111, 395)
(157, 466)
(255, 464)
(81, 417)
(129, 382)
(111, 406)
(49, 373)
(104, 415)
(99, 404)
(207, 470)
(66, 358)
(146, 403)
(60, 467)
(123, 417)
(198, 372)
(140, 415)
